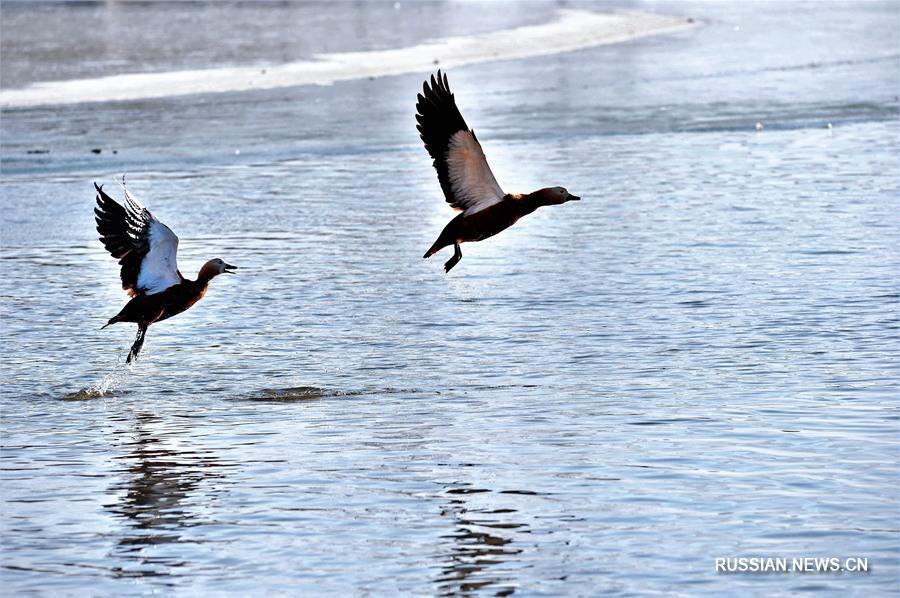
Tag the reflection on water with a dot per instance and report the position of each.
(156, 496)
(481, 545)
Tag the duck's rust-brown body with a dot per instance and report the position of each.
(484, 224)
(149, 309)
(467, 228)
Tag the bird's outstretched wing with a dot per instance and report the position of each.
(145, 247)
(463, 171)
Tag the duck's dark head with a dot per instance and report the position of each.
(551, 196)
(213, 268)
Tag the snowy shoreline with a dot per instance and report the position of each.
(572, 30)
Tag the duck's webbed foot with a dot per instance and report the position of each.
(457, 255)
(138, 343)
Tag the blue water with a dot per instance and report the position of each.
(698, 360)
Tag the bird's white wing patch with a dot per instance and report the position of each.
(159, 268)
(473, 183)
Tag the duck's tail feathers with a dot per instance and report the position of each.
(438, 245)
(112, 320)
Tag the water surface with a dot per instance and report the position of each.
(698, 360)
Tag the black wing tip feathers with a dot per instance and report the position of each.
(436, 110)
(123, 234)
(104, 201)
(435, 89)
(435, 85)
(438, 119)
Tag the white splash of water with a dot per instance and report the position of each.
(106, 386)
(102, 389)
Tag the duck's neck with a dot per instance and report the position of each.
(200, 286)
(204, 276)
(530, 202)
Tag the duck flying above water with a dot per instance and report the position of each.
(147, 251)
(465, 177)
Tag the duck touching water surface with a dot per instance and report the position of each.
(147, 251)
